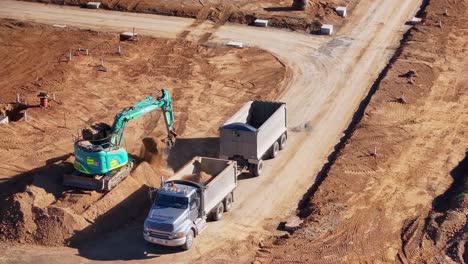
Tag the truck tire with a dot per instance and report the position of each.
(282, 141)
(228, 203)
(256, 169)
(218, 212)
(188, 240)
(275, 150)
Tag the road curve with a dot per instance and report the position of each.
(329, 76)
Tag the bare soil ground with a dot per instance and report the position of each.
(397, 192)
(279, 12)
(34, 207)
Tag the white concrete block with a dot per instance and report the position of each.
(127, 35)
(341, 10)
(326, 29)
(261, 22)
(236, 44)
(93, 5)
(4, 119)
(415, 21)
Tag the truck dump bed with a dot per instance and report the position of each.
(218, 178)
(253, 129)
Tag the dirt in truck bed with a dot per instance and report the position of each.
(397, 192)
(280, 13)
(34, 207)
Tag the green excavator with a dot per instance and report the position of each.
(100, 160)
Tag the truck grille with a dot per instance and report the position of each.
(159, 226)
(158, 235)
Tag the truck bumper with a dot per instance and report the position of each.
(165, 242)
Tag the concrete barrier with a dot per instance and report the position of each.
(93, 5)
(341, 10)
(236, 44)
(128, 35)
(261, 23)
(326, 29)
(414, 21)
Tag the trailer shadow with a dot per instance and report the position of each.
(185, 149)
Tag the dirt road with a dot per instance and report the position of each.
(328, 78)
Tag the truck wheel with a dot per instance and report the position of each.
(218, 213)
(275, 150)
(228, 203)
(282, 141)
(256, 169)
(188, 240)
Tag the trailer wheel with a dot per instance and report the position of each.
(188, 240)
(256, 169)
(218, 213)
(275, 150)
(282, 140)
(228, 203)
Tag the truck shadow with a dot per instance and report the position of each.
(117, 234)
(185, 149)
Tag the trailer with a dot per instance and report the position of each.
(256, 132)
(203, 188)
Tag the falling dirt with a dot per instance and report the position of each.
(34, 206)
(280, 13)
(397, 190)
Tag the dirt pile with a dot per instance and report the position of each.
(279, 13)
(200, 177)
(381, 199)
(37, 216)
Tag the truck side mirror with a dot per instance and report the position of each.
(197, 201)
(152, 192)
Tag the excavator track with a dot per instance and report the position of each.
(98, 182)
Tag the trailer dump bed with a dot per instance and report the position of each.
(251, 131)
(219, 178)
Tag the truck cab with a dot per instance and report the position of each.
(174, 218)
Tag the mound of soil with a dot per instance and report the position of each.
(37, 216)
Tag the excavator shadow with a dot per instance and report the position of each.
(185, 149)
(47, 177)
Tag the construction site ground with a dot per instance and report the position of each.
(367, 206)
(280, 13)
(35, 154)
(397, 191)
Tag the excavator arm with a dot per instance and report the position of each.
(149, 104)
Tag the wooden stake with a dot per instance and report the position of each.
(18, 98)
(69, 55)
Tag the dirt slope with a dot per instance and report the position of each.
(385, 198)
(279, 12)
(35, 154)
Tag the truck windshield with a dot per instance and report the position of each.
(171, 201)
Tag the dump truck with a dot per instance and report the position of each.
(256, 132)
(203, 188)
